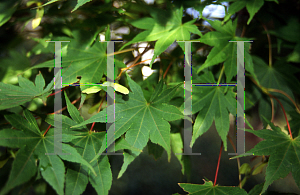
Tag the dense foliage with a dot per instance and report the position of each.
(149, 112)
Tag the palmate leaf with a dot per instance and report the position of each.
(33, 148)
(142, 119)
(213, 104)
(208, 189)
(82, 60)
(220, 40)
(11, 95)
(284, 154)
(87, 143)
(165, 27)
(225, 51)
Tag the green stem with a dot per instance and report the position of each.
(220, 76)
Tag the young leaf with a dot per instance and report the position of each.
(165, 29)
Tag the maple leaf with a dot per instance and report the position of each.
(142, 119)
(82, 60)
(87, 143)
(208, 189)
(223, 50)
(90, 144)
(33, 147)
(11, 95)
(284, 154)
(165, 27)
(214, 103)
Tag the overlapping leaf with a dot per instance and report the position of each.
(252, 6)
(208, 189)
(165, 27)
(284, 154)
(277, 77)
(223, 50)
(11, 95)
(82, 60)
(142, 119)
(88, 144)
(33, 153)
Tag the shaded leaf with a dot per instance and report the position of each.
(284, 154)
(35, 147)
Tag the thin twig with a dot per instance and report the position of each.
(270, 44)
(168, 68)
(217, 170)
(102, 100)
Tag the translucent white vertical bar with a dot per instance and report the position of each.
(57, 101)
(188, 130)
(240, 116)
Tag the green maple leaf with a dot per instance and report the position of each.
(88, 62)
(284, 154)
(87, 143)
(141, 120)
(33, 148)
(11, 95)
(165, 27)
(223, 50)
(213, 104)
(208, 189)
(220, 40)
